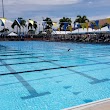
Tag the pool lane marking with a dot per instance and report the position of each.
(38, 79)
(3, 74)
(30, 62)
(28, 87)
(95, 80)
(49, 77)
(16, 54)
(21, 57)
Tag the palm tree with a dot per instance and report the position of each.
(4, 30)
(15, 23)
(63, 21)
(81, 19)
(34, 25)
(48, 25)
(29, 25)
(23, 23)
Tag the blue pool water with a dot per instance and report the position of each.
(46, 76)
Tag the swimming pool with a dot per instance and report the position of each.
(46, 76)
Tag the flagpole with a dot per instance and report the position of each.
(3, 8)
(3, 13)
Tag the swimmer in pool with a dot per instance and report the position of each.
(69, 49)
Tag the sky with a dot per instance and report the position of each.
(55, 9)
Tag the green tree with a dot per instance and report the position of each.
(81, 19)
(64, 20)
(48, 22)
(4, 30)
(22, 23)
(32, 27)
(48, 25)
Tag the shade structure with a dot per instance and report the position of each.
(12, 34)
(81, 30)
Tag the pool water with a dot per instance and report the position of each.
(46, 76)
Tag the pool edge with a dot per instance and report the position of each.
(96, 105)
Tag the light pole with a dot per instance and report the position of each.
(3, 13)
(3, 8)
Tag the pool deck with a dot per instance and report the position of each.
(98, 105)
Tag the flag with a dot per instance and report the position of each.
(108, 26)
(92, 26)
(78, 25)
(54, 29)
(87, 26)
(74, 25)
(97, 23)
(44, 24)
(2, 24)
(31, 22)
(59, 29)
(108, 20)
(83, 25)
(3, 20)
(54, 23)
(70, 28)
(65, 26)
(18, 21)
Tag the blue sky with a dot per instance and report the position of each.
(36, 9)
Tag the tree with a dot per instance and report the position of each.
(48, 25)
(19, 22)
(23, 23)
(32, 26)
(63, 21)
(81, 19)
(4, 30)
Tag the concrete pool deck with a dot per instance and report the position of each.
(98, 105)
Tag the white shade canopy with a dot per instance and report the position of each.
(12, 34)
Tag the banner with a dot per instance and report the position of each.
(31, 22)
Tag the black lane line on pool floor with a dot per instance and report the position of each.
(16, 54)
(4, 74)
(27, 86)
(95, 80)
(44, 77)
(21, 58)
(30, 62)
(49, 77)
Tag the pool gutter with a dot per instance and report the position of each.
(97, 105)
